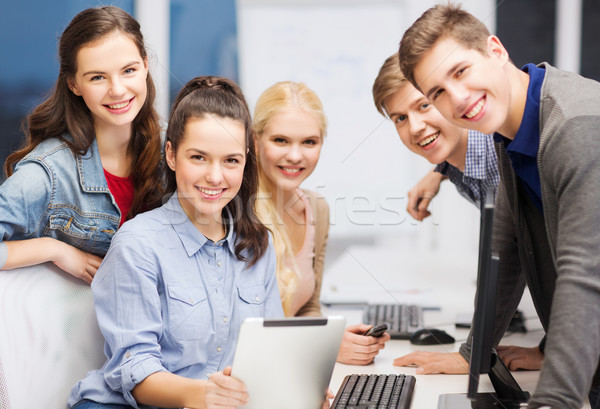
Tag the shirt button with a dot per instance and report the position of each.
(219, 264)
(191, 300)
(257, 298)
(219, 349)
(127, 355)
(225, 319)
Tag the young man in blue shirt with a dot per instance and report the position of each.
(547, 222)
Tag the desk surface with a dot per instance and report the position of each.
(374, 271)
(428, 387)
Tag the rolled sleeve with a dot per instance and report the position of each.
(134, 371)
(24, 199)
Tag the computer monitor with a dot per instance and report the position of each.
(508, 394)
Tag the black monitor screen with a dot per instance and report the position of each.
(507, 394)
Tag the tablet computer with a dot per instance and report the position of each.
(287, 363)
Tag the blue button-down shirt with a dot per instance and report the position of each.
(169, 299)
(522, 150)
(481, 169)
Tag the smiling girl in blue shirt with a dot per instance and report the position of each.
(178, 281)
(92, 152)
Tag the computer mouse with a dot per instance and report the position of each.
(431, 336)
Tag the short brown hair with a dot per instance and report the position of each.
(389, 79)
(439, 22)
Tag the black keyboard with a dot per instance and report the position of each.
(402, 320)
(378, 391)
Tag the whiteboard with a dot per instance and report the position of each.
(336, 47)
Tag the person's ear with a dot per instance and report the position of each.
(170, 155)
(495, 49)
(73, 87)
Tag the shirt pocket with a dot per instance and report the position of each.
(89, 232)
(189, 315)
(252, 300)
(71, 229)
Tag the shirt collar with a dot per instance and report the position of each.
(527, 139)
(475, 159)
(89, 167)
(190, 236)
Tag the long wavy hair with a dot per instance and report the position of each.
(63, 112)
(209, 95)
(283, 96)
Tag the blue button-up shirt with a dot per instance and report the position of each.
(522, 150)
(169, 299)
(481, 169)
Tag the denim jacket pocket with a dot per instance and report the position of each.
(91, 233)
(252, 300)
(188, 312)
(70, 228)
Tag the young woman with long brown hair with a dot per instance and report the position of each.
(179, 280)
(91, 159)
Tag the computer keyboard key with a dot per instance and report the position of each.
(379, 391)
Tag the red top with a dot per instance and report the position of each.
(122, 190)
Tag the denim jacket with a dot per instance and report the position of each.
(54, 193)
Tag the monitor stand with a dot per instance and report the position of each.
(509, 394)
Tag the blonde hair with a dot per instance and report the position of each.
(286, 95)
(280, 97)
(441, 21)
(388, 81)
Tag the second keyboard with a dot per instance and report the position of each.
(402, 320)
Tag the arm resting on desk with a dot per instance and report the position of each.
(434, 362)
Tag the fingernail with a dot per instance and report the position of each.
(420, 370)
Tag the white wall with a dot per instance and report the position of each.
(154, 19)
(337, 47)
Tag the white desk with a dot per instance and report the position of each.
(365, 270)
(427, 387)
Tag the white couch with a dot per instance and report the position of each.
(49, 336)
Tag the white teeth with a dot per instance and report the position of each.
(119, 106)
(290, 170)
(476, 109)
(211, 192)
(430, 139)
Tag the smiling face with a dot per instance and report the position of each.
(422, 129)
(289, 148)
(111, 79)
(470, 89)
(209, 167)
